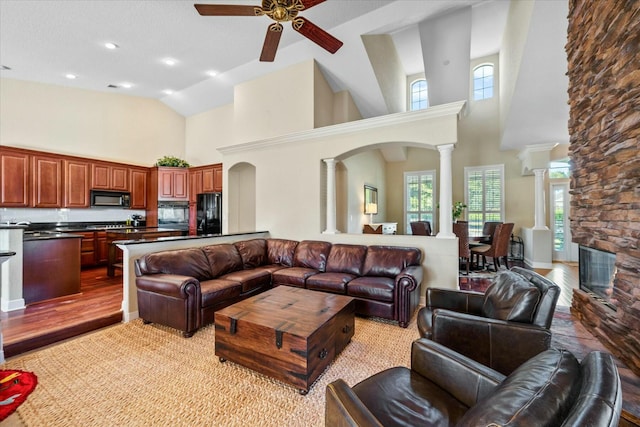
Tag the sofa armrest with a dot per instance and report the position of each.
(409, 278)
(499, 344)
(464, 378)
(343, 408)
(461, 301)
(172, 285)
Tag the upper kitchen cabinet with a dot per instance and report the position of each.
(106, 176)
(46, 174)
(138, 187)
(205, 179)
(217, 177)
(14, 178)
(173, 183)
(77, 183)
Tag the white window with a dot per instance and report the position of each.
(483, 82)
(420, 196)
(484, 193)
(419, 98)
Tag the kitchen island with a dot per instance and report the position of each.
(145, 234)
(51, 265)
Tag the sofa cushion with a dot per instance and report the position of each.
(372, 288)
(389, 261)
(294, 276)
(312, 254)
(280, 251)
(185, 262)
(216, 290)
(223, 258)
(346, 259)
(511, 297)
(253, 252)
(539, 392)
(329, 282)
(250, 279)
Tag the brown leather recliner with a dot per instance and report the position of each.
(501, 328)
(444, 387)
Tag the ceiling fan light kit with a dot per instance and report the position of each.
(279, 11)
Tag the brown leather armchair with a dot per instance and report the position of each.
(501, 328)
(446, 388)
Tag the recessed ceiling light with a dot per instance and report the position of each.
(126, 85)
(4, 68)
(110, 45)
(71, 76)
(212, 73)
(169, 61)
(167, 91)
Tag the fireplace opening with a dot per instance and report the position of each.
(597, 272)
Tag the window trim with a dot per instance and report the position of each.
(473, 80)
(422, 79)
(483, 169)
(406, 174)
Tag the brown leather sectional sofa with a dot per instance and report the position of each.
(183, 288)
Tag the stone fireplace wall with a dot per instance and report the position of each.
(603, 51)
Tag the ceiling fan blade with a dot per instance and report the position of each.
(271, 41)
(226, 10)
(310, 3)
(316, 34)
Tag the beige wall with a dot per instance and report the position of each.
(276, 104)
(363, 168)
(87, 123)
(207, 131)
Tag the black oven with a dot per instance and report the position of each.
(173, 215)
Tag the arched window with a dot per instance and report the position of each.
(483, 82)
(419, 99)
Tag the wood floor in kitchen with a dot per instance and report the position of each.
(98, 304)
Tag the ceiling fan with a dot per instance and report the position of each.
(280, 11)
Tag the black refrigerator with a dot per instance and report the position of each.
(209, 213)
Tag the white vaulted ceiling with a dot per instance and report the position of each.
(43, 40)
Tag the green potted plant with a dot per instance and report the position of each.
(172, 161)
(456, 210)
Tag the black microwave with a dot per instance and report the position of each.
(117, 199)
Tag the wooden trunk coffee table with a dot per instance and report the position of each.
(288, 333)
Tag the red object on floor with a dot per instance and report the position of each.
(15, 386)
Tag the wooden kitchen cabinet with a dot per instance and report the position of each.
(106, 176)
(87, 248)
(138, 187)
(102, 247)
(217, 178)
(173, 183)
(14, 178)
(77, 183)
(205, 179)
(46, 173)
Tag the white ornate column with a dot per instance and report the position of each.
(331, 196)
(539, 219)
(446, 192)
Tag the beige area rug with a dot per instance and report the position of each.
(148, 375)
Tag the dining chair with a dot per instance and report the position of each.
(487, 230)
(499, 247)
(420, 228)
(464, 252)
(367, 229)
